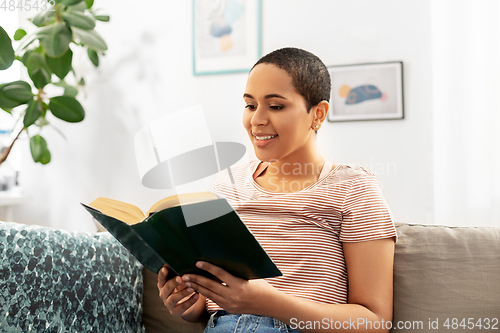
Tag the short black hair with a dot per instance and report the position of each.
(310, 77)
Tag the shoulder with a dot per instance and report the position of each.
(237, 173)
(350, 173)
(350, 181)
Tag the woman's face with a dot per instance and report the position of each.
(275, 109)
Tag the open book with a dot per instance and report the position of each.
(182, 229)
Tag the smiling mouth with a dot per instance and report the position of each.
(264, 138)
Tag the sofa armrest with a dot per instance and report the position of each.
(58, 281)
(445, 272)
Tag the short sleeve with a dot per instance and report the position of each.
(365, 213)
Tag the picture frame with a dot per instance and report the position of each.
(370, 91)
(226, 36)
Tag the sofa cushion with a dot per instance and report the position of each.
(157, 318)
(441, 273)
(58, 281)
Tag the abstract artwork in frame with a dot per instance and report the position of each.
(226, 35)
(366, 92)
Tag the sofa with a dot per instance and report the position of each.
(445, 279)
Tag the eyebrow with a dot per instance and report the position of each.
(267, 96)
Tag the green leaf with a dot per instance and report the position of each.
(62, 65)
(89, 3)
(8, 103)
(7, 110)
(61, 83)
(27, 40)
(70, 2)
(102, 18)
(93, 57)
(79, 7)
(67, 108)
(44, 18)
(45, 158)
(90, 38)
(18, 91)
(38, 70)
(55, 39)
(33, 112)
(26, 57)
(40, 77)
(40, 122)
(70, 91)
(7, 55)
(19, 34)
(79, 20)
(39, 150)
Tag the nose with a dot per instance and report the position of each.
(259, 117)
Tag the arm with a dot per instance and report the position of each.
(369, 268)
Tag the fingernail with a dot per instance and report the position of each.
(196, 296)
(185, 278)
(188, 284)
(199, 265)
(178, 280)
(190, 290)
(164, 270)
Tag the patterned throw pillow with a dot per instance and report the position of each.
(59, 281)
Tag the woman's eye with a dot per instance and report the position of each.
(276, 107)
(249, 106)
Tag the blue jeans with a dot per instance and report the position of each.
(224, 322)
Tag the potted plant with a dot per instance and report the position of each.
(48, 57)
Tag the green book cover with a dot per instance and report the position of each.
(165, 237)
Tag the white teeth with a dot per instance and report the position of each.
(261, 138)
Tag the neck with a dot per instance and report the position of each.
(302, 164)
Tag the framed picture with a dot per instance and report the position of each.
(366, 92)
(226, 35)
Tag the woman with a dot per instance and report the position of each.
(327, 227)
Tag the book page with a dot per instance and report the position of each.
(184, 199)
(122, 211)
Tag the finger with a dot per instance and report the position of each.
(216, 271)
(179, 309)
(169, 287)
(193, 280)
(176, 297)
(217, 298)
(181, 284)
(162, 277)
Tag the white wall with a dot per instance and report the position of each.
(348, 32)
(147, 72)
(466, 79)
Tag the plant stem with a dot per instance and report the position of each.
(58, 17)
(6, 152)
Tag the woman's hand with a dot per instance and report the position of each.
(235, 295)
(173, 291)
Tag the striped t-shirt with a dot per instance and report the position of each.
(303, 231)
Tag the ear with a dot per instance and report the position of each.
(321, 111)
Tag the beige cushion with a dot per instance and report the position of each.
(156, 317)
(446, 272)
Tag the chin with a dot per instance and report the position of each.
(265, 157)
